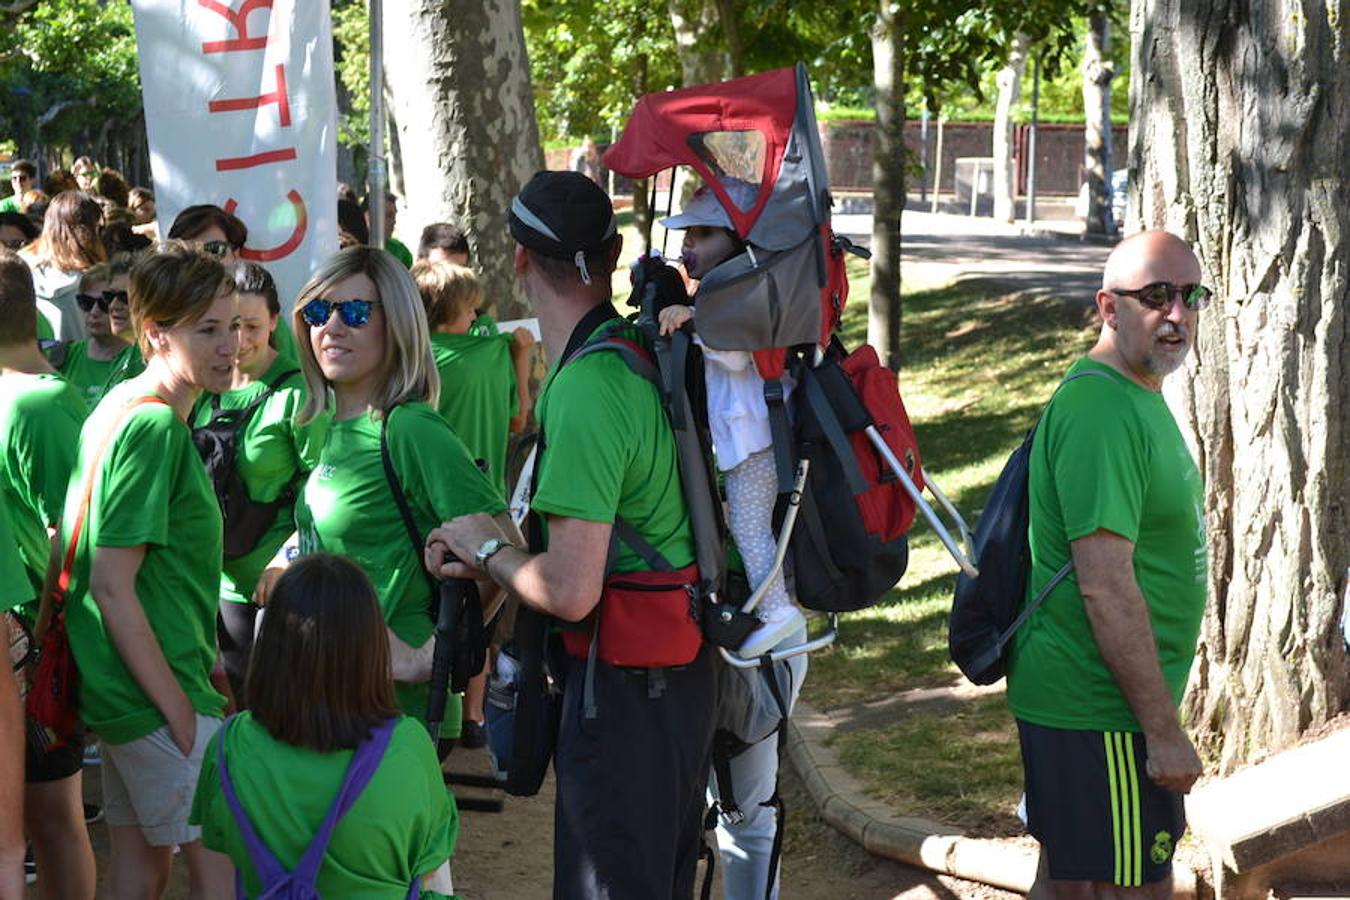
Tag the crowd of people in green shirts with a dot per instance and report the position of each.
(179, 614)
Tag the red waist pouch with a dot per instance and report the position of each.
(647, 620)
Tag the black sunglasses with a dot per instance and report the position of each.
(353, 313)
(103, 301)
(1159, 295)
(16, 244)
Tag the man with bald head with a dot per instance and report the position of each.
(1097, 672)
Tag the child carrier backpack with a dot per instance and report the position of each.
(301, 884)
(246, 520)
(988, 609)
(847, 451)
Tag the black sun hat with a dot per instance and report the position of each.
(563, 215)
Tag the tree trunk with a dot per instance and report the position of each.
(698, 40)
(1241, 115)
(460, 80)
(888, 182)
(1009, 88)
(1097, 74)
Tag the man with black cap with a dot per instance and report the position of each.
(637, 722)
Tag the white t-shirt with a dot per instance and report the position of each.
(737, 413)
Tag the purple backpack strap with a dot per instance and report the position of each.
(365, 760)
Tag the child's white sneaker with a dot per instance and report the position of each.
(775, 625)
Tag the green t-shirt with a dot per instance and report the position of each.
(484, 326)
(348, 507)
(399, 250)
(271, 453)
(45, 332)
(15, 589)
(127, 364)
(10, 204)
(283, 341)
(1107, 455)
(40, 419)
(86, 373)
(478, 395)
(151, 489)
(609, 452)
(404, 824)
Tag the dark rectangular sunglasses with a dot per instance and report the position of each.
(103, 301)
(353, 313)
(1159, 295)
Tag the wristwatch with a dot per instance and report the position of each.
(487, 550)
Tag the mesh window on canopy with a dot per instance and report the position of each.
(737, 155)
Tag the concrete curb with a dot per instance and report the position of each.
(907, 839)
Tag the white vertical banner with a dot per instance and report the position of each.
(241, 112)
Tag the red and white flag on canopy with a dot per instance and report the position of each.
(241, 111)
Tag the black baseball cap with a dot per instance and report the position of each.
(563, 215)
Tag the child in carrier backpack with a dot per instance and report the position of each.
(739, 420)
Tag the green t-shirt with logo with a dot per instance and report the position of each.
(151, 489)
(404, 824)
(609, 452)
(478, 395)
(272, 454)
(16, 590)
(86, 373)
(1107, 455)
(347, 507)
(126, 365)
(484, 326)
(40, 419)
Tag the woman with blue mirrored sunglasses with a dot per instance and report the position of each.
(385, 447)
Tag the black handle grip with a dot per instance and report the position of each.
(449, 606)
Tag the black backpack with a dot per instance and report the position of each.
(246, 520)
(988, 610)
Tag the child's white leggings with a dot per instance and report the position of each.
(752, 489)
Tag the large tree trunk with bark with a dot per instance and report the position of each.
(1009, 89)
(1240, 142)
(1097, 74)
(699, 40)
(460, 80)
(888, 182)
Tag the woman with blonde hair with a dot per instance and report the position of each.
(390, 469)
(145, 574)
(69, 244)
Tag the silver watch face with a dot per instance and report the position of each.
(489, 547)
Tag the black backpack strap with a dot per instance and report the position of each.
(401, 500)
(780, 433)
(834, 433)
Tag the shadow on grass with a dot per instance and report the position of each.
(962, 437)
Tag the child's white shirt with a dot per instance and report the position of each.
(737, 413)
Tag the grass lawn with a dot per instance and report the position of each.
(977, 367)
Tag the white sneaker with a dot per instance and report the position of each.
(775, 625)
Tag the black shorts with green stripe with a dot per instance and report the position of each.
(1095, 812)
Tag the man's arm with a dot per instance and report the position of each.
(521, 342)
(564, 582)
(1118, 615)
(11, 781)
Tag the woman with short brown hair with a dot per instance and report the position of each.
(141, 606)
(70, 243)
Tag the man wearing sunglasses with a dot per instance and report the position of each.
(1098, 670)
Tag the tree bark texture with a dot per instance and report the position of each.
(1240, 142)
(1009, 89)
(467, 133)
(1097, 74)
(888, 182)
(699, 40)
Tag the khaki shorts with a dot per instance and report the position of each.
(149, 783)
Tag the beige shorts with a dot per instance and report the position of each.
(149, 783)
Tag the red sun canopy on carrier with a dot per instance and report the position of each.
(759, 130)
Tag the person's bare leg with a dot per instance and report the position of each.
(54, 817)
(1158, 890)
(1046, 888)
(136, 870)
(210, 874)
(474, 693)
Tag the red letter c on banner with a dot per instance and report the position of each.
(286, 248)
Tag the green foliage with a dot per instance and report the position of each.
(351, 58)
(72, 62)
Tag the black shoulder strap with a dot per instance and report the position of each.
(401, 499)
